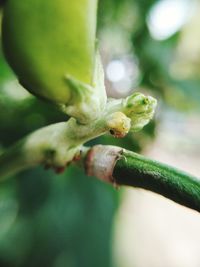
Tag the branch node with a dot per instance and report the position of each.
(101, 160)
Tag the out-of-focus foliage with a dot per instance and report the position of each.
(66, 220)
(159, 61)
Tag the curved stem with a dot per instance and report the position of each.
(138, 171)
(57, 145)
(128, 168)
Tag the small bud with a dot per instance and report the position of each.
(119, 124)
(140, 109)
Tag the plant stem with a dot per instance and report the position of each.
(58, 144)
(53, 146)
(129, 168)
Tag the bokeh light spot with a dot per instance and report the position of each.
(167, 17)
(115, 71)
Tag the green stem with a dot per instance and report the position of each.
(57, 145)
(135, 170)
(129, 168)
(54, 146)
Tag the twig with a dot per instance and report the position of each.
(122, 167)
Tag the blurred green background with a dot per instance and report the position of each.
(67, 220)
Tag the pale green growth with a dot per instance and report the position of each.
(44, 50)
(138, 107)
(57, 145)
(87, 102)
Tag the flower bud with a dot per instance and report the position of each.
(140, 109)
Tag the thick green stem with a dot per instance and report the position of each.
(57, 145)
(135, 170)
(123, 167)
(53, 146)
